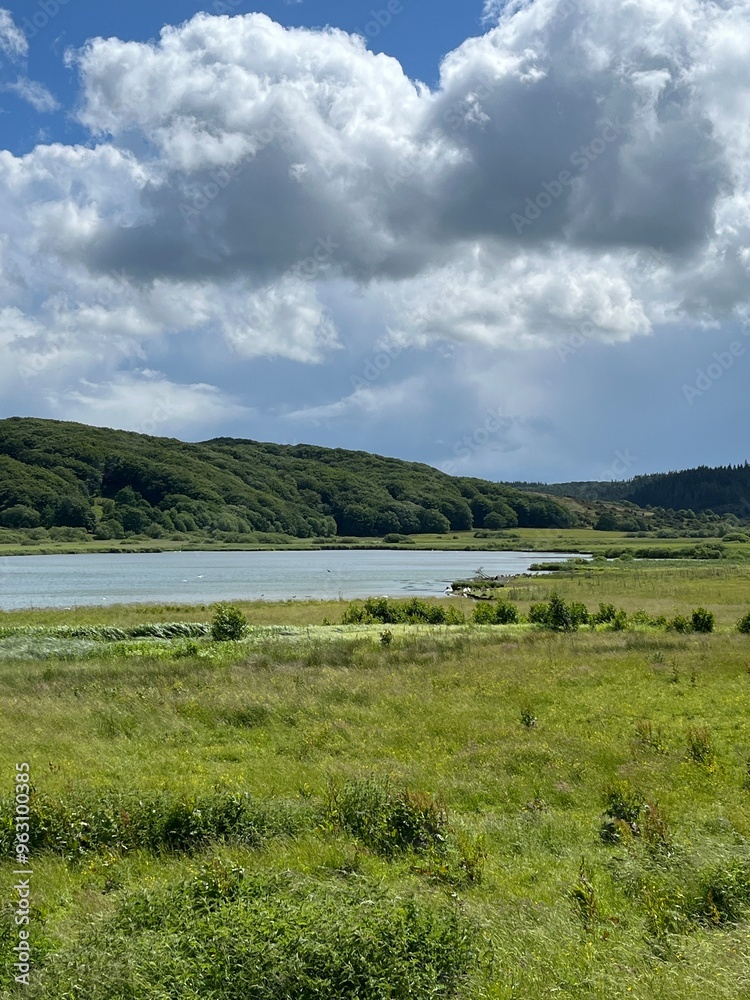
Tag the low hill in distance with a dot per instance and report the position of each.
(114, 484)
(722, 490)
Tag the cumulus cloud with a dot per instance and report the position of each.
(579, 164)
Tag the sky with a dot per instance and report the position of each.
(508, 239)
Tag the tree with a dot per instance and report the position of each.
(19, 516)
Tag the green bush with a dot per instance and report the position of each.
(702, 620)
(723, 894)
(679, 624)
(385, 611)
(75, 825)
(743, 625)
(387, 819)
(232, 936)
(228, 623)
(623, 806)
(605, 614)
(539, 614)
(498, 612)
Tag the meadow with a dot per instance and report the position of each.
(317, 812)
(585, 540)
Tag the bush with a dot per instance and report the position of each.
(495, 613)
(723, 893)
(394, 538)
(743, 625)
(622, 813)
(387, 819)
(538, 614)
(384, 611)
(228, 623)
(679, 624)
(231, 935)
(110, 821)
(606, 613)
(702, 620)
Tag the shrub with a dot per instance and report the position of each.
(228, 623)
(700, 745)
(528, 718)
(622, 813)
(606, 613)
(743, 625)
(387, 819)
(394, 538)
(679, 624)
(723, 893)
(702, 620)
(506, 613)
(230, 935)
(579, 614)
(539, 614)
(455, 616)
(75, 825)
(384, 611)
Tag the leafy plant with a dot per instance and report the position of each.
(702, 620)
(700, 745)
(228, 623)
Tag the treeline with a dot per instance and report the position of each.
(704, 490)
(113, 484)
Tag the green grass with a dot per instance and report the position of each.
(498, 813)
(521, 539)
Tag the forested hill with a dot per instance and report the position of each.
(723, 490)
(116, 483)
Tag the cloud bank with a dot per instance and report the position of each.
(581, 166)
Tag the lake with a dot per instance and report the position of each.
(205, 577)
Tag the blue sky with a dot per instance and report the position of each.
(510, 240)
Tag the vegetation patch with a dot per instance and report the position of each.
(231, 936)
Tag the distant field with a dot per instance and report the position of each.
(532, 539)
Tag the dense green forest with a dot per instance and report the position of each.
(723, 490)
(114, 484)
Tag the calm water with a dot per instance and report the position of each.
(205, 577)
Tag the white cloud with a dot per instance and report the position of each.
(12, 40)
(35, 94)
(148, 403)
(371, 403)
(580, 165)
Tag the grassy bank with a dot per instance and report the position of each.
(582, 540)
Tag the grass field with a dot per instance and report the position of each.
(532, 539)
(500, 812)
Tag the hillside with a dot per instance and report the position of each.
(722, 490)
(116, 483)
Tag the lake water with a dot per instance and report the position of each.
(205, 577)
